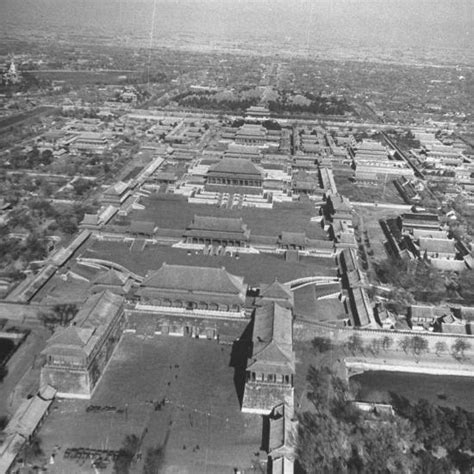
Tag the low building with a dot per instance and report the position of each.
(292, 241)
(271, 367)
(425, 221)
(437, 248)
(217, 231)
(75, 356)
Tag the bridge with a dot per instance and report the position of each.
(311, 280)
(99, 263)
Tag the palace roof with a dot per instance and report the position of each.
(218, 228)
(195, 279)
(235, 166)
(272, 340)
(111, 278)
(277, 291)
(87, 327)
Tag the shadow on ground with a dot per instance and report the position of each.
(238, 360)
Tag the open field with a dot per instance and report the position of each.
(309, 307)
(255, 268)
(177, 214)
(381, 193)
(200, 426)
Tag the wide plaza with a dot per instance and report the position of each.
(177, 393)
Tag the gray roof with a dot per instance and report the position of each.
(273, 339)
(195, 279)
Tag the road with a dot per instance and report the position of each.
(405, 158)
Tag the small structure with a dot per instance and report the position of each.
(224, 231)
(292, 240)
(76, 356)
(271, 367)
(142, 228)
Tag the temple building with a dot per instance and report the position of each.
(235, 172)
(251, 134)
(271, 367)
(193, 288)
(76, 356)
(217, 231)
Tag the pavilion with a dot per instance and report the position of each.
(217, 230)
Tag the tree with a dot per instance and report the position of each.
(440, 347)
(33, 451)
(387, 342)
(322, 344)
(405, 344)
(154, 460)
(322, 443)
(459, 347)
(126, 454)
(419, 345)
(375, 346)
(354, 343)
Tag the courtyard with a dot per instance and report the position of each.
(175, 393)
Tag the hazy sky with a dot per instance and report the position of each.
(319, 24)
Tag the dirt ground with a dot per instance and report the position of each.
(199, 425)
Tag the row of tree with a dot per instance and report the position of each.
(416, 345)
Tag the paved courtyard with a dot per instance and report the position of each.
(200, 424)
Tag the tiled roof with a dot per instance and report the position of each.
(87, 327)
(276, 290)
(235, 166)
(273, 339)
(110, 277)
(222, 224)
(437, 245)
(293, 238)
(189, 278)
